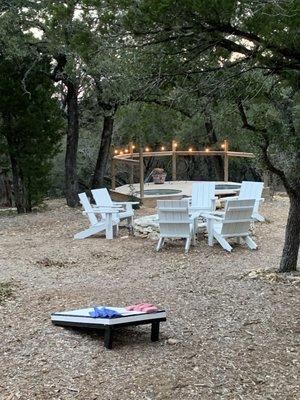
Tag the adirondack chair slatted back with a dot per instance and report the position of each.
(173, 217)
(237, 217)
(202, 195)
(88, 208)
(102, 197)
(251, 190)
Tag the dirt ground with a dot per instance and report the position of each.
(228, 335)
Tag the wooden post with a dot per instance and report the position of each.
(141, 161)
(226, 161)
(174, 172)
(113, 173)
(131, 166)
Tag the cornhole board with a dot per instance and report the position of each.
(81, 318)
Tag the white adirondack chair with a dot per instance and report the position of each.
(97, 226)
(203, 199)
(175, 222)
(102, 198)
(251, 190)
(234, 223)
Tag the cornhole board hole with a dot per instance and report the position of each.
(81, 318)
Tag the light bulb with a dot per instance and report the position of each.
(162, 148)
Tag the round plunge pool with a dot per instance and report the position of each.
(160, 192)
(165, 192)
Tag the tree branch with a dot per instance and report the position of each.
(264, 146)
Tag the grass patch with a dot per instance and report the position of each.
(5, 291)
(12, 211)
(7, 212)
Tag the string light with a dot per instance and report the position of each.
(116, 151)
(147, 149)
(207, 150)
(126, 150)
(163, 148)
(190, 149)
(175, 144)
(223, 145)
(121, 152)
(133, 147)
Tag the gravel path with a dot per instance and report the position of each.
(227, 336)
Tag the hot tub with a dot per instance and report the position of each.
(173, 190)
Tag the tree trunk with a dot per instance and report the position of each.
(215, 162)
(21, 195)
(71, 180)
(5, 189)
(20, 190)
(104, 151)
(292, 237)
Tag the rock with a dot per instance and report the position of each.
(172, 341)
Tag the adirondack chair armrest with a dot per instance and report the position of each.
(104, 209)
(222, 199)
(109, 207)
(212, 216)
(125, 203)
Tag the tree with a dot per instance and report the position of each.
(31, 125)
(234, 38)
(60, 32)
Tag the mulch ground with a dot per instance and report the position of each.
(232, 330)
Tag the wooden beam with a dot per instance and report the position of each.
(131, 173)
(240, 154)
(187, 153)
(226, 169)
(157, 153)
(141, 161)
(174, 168)
(113, 174)
(126, 160)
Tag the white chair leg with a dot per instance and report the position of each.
(258, 217)
(210, 232)
(223, 242)
(250, 243)
(194, 240)
(187, 245)
(195, 226)
(115, 230)
(109, 227)
(160, 243)
(130, 220)
(238, 240)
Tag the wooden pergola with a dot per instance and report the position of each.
(129, 157)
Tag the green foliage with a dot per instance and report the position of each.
(148, 123)
(31, 122)
(5, 291)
